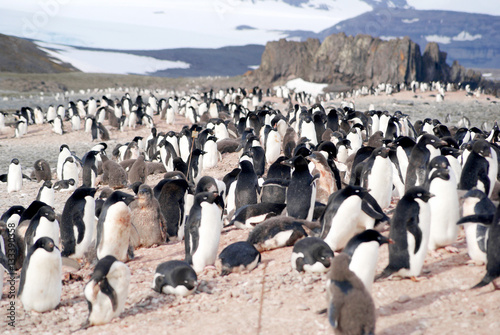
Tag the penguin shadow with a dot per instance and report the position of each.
(146, 304)
(442, 265)
(408, 326)
(421, 301)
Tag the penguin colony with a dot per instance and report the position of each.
(316, 177)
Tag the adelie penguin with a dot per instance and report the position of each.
(239, 256)
(43, 224)
(40, 286)
(203, 230)
(247, 186)
(476, 171)
(46, 193)
(363, 251)
(114, 227)
(175, 277)
(14, 178)
(377, 176)
(171, 195)
(301, 192)
(107, 291)
(475, 202)
(410, 228)
(350, 306)
(311, 254)
(339, 222)
(78, 223)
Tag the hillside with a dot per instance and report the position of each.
(22, 56)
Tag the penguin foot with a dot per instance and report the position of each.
(416, 279)
(472, 262)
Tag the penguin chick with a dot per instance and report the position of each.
(147, 218)
(350, 306)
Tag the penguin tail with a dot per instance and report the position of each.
(485, 281)
(386, 273)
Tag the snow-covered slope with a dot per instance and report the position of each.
(153, 24)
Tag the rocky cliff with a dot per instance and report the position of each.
(358, 60)
(22, 56)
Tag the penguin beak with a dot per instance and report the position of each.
(390, 241)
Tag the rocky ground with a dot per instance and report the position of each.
(272, 299)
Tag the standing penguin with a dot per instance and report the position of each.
(445, 209)
(301, 192)
(107, 291)
(211, 156)
(78, 222)
(70, 170)
(42, 170)
(363, 252)
(175, 277)
(63, 154)
(311, 254)
(139, 171)
(203, 229)
(475, 172)
(41, 286)
(46, 193)
(113, 227)
(147, 218)
(14, 177)
(247, 186)
(350, 306)
(426, 149)
(273, 146)
(171, 194)
(44, 223)
(476, 203)
(377, 176)
(410, 227)
(340, 220)
(89, 173)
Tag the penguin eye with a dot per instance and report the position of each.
(419, 194)
(322, 258)
(432, 141)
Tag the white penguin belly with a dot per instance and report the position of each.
(42, 286)
(444, 208)
(364, 262)
(209, 236)
(475, 253)
(343, 225)
(273, 147)
(47, 228)
(116, 233)
(211, 157)
(380, 181)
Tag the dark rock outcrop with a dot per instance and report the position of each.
(358, 60)
(23, 56)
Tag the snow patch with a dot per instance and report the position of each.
(410, 20)
(108, 62)
(300, 85)
(387, 38)
(465, 36)
(438, 39)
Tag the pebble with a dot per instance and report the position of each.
(302, 308)
(403, 299)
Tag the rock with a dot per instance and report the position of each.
(403, 299)
(302, 308)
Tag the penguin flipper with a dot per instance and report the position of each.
(414, 229)
(370, 211)
(4, 261)
(483, 219)
(386, 273)
(110, 292)
(3, 178)
(26, 177)
(333, 315)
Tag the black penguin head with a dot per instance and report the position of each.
(481, 147)
(297, 162)
(70, 159)
(47, 184)
(351, 190)
(418, 192)
(102, 268)
(45, 243)
(432, 140)
(246, 165)
(62, 147)
(71, 182)
(439, 162)
(382, 152)
(324, 256)
(117, 196)
(210, 197)
(47, 212)
(370, 235)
